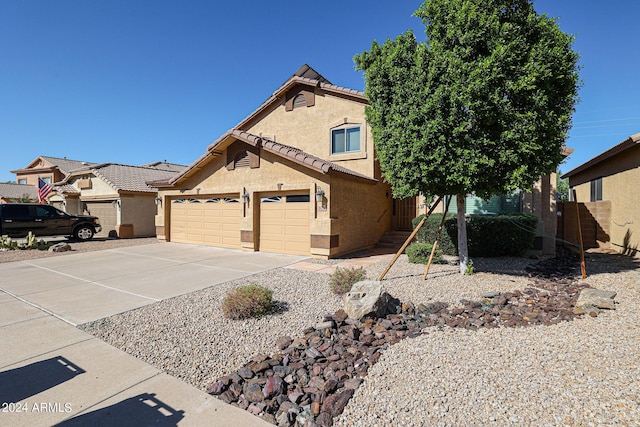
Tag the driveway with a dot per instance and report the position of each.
(84, 287)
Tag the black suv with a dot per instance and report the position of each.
(17, 219)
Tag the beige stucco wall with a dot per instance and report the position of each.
(309, 129)
(354, 211)
(275, 175)
(620, 177)
(360, 214)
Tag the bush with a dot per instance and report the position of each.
(419, 253)
(429, 232)
(247, 301)
(343, 279)
(496, 235)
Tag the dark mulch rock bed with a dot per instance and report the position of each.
(313, 377)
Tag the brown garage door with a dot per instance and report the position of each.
(212, 221)
(107, 214)
(284, 224)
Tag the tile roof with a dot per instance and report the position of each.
(16, 191)
(125, 177)
(173, 167)
(309, 160)
(282, 150)
(66, 165)
(65, 189)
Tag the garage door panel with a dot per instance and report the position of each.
(107, 215)
(284, 226)
(208, 221)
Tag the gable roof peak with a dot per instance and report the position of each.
(307, 72)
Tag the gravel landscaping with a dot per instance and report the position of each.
(584, 372)
(96, 244)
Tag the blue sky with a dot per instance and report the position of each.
(139, 81)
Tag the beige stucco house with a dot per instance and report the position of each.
(117, 194)
(298, 176)
(50, 169)
(607, 185)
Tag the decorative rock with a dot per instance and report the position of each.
(60, 247)
(252, 392)
(272, 387)
(283, 342)
(335, 403)
(216, 388)
(324, 419)
(591, 300)
(366, 298)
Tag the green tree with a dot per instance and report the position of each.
(483, 106)
(562, 187)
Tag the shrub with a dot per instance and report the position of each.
(419, 253)
(496, 235)
(247, 301)
(429, 231)
(343, 279)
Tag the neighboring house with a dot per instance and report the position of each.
(607, 186)
(12, 193)
(298, 175)
(50, 169)
(115, 193)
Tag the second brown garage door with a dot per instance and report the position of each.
(212, 221)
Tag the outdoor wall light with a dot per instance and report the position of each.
(158, 200)
(319, 194)
(245, 196)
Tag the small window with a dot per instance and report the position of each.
(22, 181)
(194, 201)
(596, 189)
(179, 201)
(345, 140)
(571, 194)
(231, 200)
(47, 179)
(272, 199)
(214, 200)
(298, 198)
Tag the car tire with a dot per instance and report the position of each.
(84, 232)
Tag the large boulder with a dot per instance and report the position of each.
(368, 298)
(60, 247)
(591, 300)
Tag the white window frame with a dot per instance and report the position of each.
(345, 129)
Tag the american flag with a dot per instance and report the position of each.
(43, 190)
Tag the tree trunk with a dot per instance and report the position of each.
(463, 250)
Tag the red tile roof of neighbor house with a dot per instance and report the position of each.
(63, 164)
(617, 149)
(294, 154)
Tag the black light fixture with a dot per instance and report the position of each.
(158, 200)
(319, 194)
(245, 196)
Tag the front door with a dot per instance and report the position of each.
(404, 210)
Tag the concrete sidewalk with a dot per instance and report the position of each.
(51, 372)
